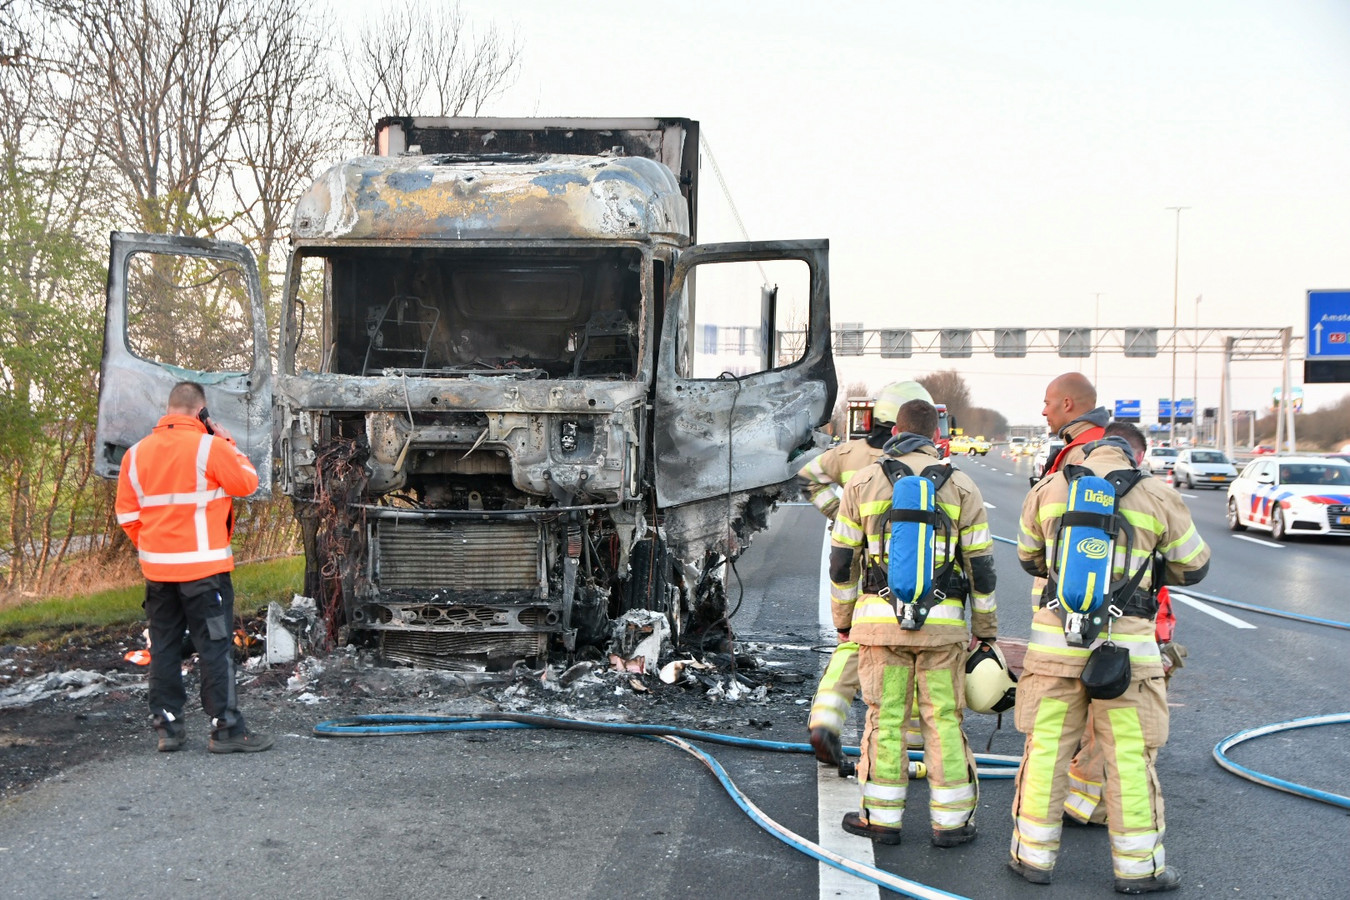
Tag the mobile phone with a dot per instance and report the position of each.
(204, 416)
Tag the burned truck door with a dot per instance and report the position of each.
(184, 309)
(719, 432)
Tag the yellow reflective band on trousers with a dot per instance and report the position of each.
(942, 696)
(1136, 808)
(1042, 755)
(892, 757)
(838, 687)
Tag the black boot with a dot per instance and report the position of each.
(1169, 879)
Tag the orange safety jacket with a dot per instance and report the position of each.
(174, 499)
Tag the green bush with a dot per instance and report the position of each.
(255, 585)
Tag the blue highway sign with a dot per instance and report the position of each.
(1328, 324)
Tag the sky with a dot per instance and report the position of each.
(1004, 164)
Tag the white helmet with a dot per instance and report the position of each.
(991, 687)
(894, 396)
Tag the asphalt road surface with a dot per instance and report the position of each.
(552, 813)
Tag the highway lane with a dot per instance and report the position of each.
(532, 814)
(1221, 828)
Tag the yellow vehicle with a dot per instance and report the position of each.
(971, 446)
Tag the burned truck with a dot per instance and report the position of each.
(501, 410)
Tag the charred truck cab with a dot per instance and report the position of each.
(500, 414)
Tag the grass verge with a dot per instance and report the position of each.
(255, 585)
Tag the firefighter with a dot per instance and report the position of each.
(895, 661)
(1083, 804)
(823, 478)
(174, 500)
(1053, 705)
(1072, 412)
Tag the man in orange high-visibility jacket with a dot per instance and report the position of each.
(174, 500)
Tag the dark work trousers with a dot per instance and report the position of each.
(205, 608)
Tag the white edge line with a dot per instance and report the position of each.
(1257, 540)
(988, 505)
(836, 796)
(1209, 610)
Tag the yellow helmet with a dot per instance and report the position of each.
(894, 396)
(991, 687)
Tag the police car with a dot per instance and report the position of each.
(1288, 495)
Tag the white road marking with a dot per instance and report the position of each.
(1256, 540)
(1190, 496)
(1209, 610)
(988, 505)
(836, 796)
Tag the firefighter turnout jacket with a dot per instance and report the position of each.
(174, 499)
(1054, 709)
(825, 476)
(1160, 521)
(859, 543)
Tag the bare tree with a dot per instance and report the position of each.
(49, 209)
(950, 388)
(422, 58)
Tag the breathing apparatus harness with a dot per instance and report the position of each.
(1079, 587)
(909, 580)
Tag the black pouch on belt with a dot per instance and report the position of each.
(1107, 673)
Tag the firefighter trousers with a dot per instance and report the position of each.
(835, 693)
(1054, 713)
(205, 608)
(891, 679)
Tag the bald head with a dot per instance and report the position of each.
(1066, 398)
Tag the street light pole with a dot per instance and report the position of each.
(1195, 376)
(1176, 280)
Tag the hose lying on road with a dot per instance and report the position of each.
(1221, 749)
(990, 766)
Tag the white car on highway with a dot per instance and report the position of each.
(1199, 467)
(1288, 495)
(1160, 460)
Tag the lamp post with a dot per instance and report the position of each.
(1176, 280)
(1195, 376)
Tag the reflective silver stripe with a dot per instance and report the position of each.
(133, 476)
(191, 556)
(827, 718)
(1051, 640)
(124, 518)
(889, 818)
(199, 517)
(1133, 843)
(885, 792)
(1034, 831)
(950, 818)
(958, 794)
(985, 603)
(191, 498)
(1037, 857)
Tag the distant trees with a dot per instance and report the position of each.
(1325, 429)
(949, 387)
(192, 117)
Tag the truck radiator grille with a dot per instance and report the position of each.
(448, 650)
(461, 556)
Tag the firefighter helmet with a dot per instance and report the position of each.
(894, 396)
(991, 687)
